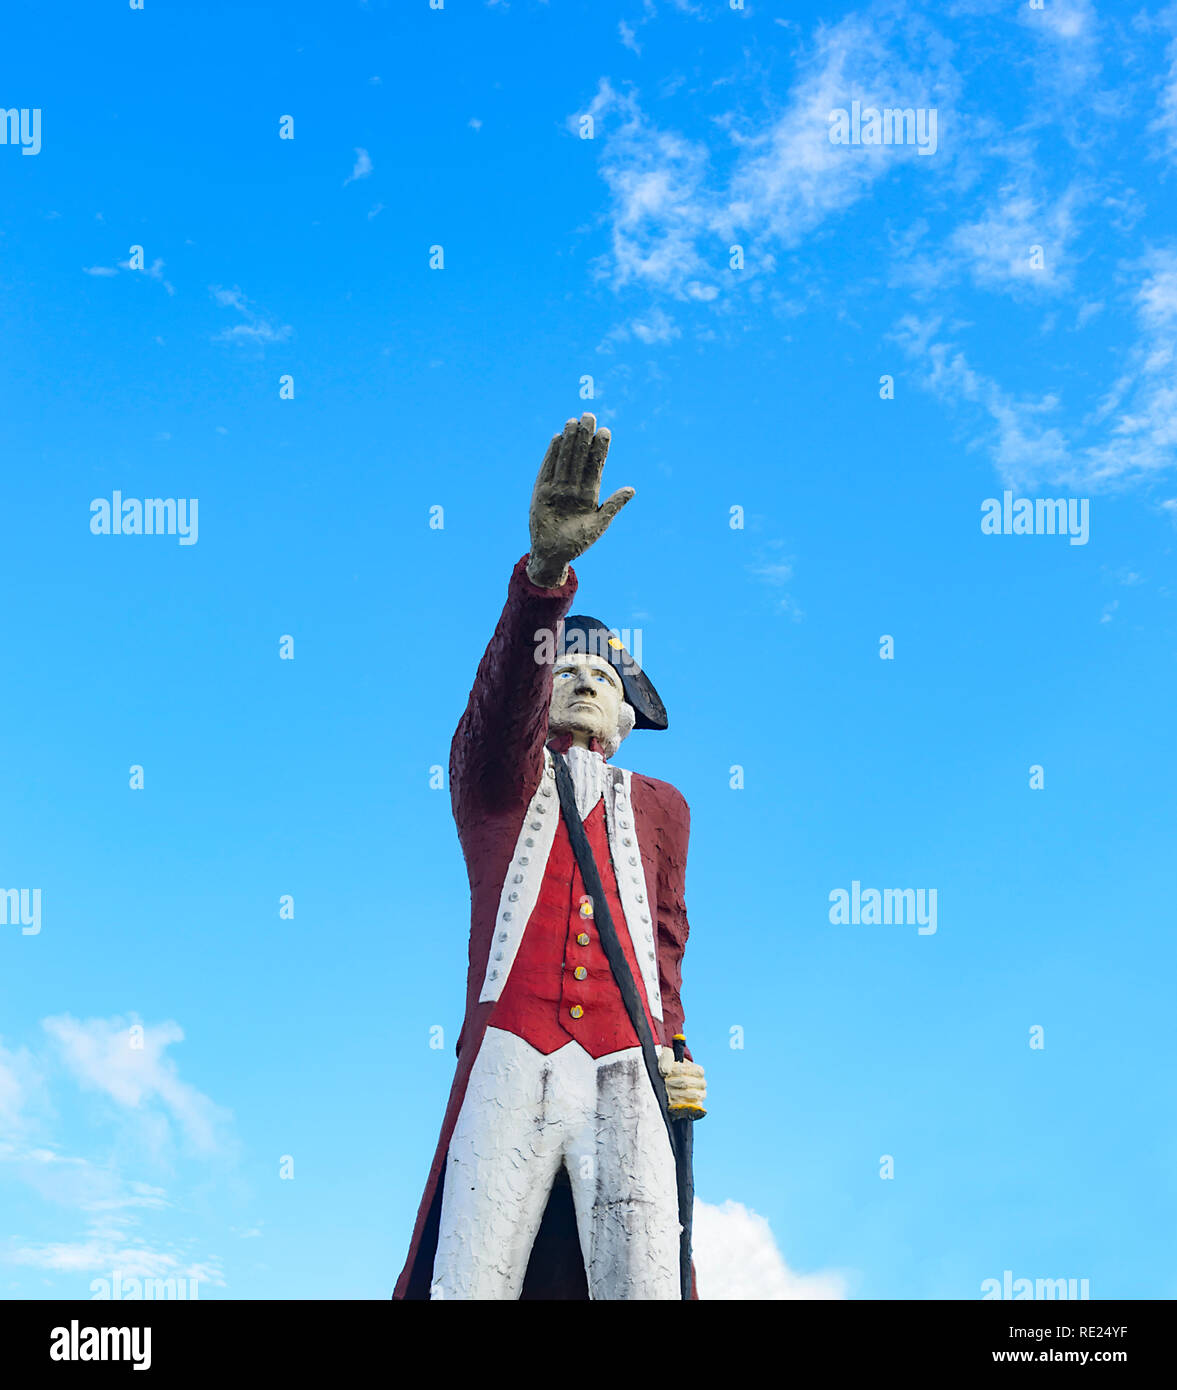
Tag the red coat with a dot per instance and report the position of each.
(496, 763)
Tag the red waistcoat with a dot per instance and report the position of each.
(560, 986)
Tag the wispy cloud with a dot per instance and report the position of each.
(1164, 124)
(127, 1061)
(1021, 243)
(255, 328)
(775, 570)
(1066, 62)
(1139, 413)
(154, 271)
(989, 212)
(790, 177)
(100, 1252)
(361, 169)
(1026, 448)
(109, 1208)
(1129, 435)
(659, 200)
(655, 326)
(676, 204)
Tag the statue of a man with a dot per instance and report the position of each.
(554, 1176)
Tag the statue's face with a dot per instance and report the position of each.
(587, 695)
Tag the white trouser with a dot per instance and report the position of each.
(523, 1116)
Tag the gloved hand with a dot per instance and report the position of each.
(685, 1084)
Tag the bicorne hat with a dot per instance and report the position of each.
(584, 636)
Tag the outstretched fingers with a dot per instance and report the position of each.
(564, 472)
(547, 469)
(612, 505)
(582, 443)
(594, 464)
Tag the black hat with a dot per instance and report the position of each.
(585, 636)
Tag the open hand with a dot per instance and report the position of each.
(565, 516)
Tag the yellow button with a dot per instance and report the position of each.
(582, 938)
(586, 909)
(580, 972)
(576, 1011)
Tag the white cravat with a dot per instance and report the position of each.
(589, 774)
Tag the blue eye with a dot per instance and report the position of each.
(563, 675)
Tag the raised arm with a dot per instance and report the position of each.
(497, 752)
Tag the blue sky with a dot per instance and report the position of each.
(1049, 373)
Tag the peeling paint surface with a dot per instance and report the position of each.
(524, 1116)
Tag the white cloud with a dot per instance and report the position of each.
(154, 271)
(1018, 243)
(361, 169)
(1067, 61)
(791, 177)
(141, 1079)
(659, 201)
(253, 333)
(628, 38)
(255, 329)
(1025, 447)
(775, 573)
(1129, 435)
(102, 1251)
(110, 1205)
(656, 327)
(232, 299)
(673, 214)
(1165, 122)
(1141, 407)
(20, 1080)
(736, 1257)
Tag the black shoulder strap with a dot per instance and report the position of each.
(609, 939)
